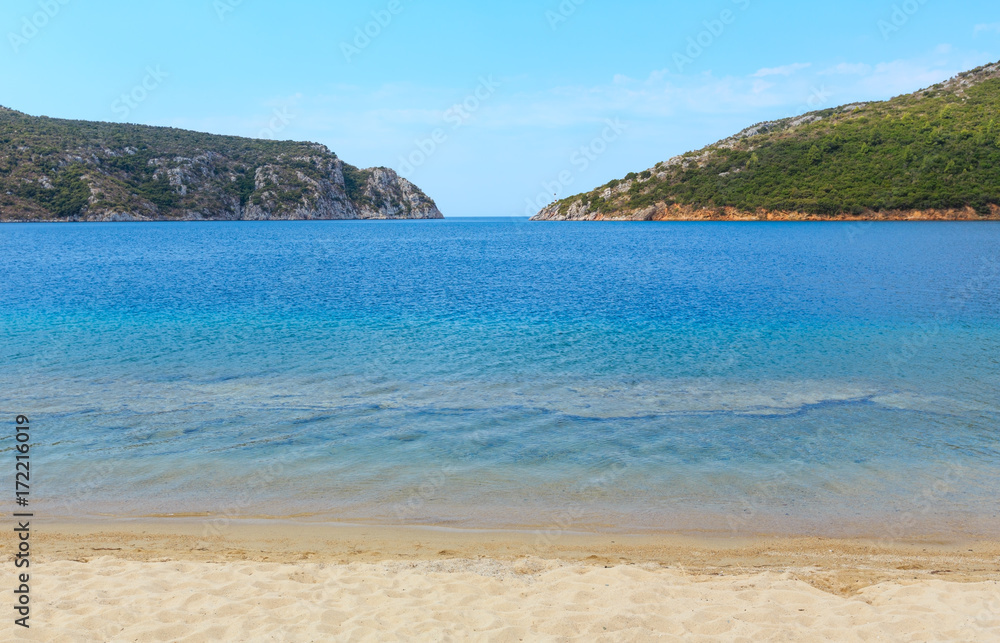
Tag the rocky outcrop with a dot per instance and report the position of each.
(58, 170)
(677, 212)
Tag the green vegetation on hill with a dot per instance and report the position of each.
(354, 182)
(935, 149)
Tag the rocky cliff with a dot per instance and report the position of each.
(61, 170)
(933, 154)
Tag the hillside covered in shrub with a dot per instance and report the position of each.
(933, 154)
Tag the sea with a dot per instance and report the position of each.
(825, 379)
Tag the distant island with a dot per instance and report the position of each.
(65, 170)
(930, 155)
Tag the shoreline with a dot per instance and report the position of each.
(766, 218)
(835, 565)
(662, 212)
(711, 523)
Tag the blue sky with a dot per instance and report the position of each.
(487, 106)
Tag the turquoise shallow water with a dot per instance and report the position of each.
(806, 378)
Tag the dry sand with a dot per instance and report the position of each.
(176, 581)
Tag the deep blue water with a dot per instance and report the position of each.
(822, 378)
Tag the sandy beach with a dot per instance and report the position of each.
(259, 581)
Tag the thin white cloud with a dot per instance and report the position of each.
(847, 69)
(402, 112)
(786, 70)
(904, 76)
(993, 27)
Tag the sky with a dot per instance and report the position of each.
(491, 107)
